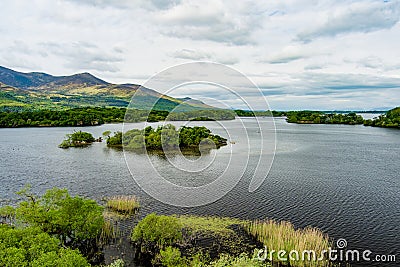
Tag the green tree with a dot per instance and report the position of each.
(74, 220)
(115, 140)
(106, 134)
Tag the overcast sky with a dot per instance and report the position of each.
(303, 54)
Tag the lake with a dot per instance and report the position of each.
(342, 179)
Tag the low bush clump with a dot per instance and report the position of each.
(156, 232)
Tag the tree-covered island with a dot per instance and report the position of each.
(167, 137)
(77, 139)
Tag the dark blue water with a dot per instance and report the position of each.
(342, 179)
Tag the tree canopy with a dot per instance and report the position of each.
(318, 117)
(71, 219)
(166, 137)
(55, 229)
(389, 120)
(77, 139)
(31, 246)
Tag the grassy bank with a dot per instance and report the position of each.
(215, 241)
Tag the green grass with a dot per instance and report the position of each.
(216, 225)
(127, 205)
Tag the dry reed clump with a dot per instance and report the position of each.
(127, 205)
(283, 236)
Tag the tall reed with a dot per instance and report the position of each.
(127, 205)
(278, 236)
(109, 232)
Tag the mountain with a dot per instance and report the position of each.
(37, 90)
(34, 80)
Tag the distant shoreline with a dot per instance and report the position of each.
(96, 116)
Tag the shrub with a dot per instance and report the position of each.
(157, 231)
(171, 257)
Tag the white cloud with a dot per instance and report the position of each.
(198, 55)
(360, 16)
(289, 54)
(301, 51)
(212, 21)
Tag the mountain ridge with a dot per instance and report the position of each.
(39, 90)
(29, 80)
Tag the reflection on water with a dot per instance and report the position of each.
(342, 179)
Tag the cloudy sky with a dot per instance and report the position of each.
(302, 54)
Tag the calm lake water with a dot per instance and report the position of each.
(342, 179)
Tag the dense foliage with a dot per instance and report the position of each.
(259, 113)
(55, 229)
(77, 139)
(391, 119)
(31, 246)
(91, 116)
(71, 117)
(115, 140)
(202, 115)
(172, 257)
(166, 137)
(73, 220)
(316, 117)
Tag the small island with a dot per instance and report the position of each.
(77, 139)
(167, 138)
